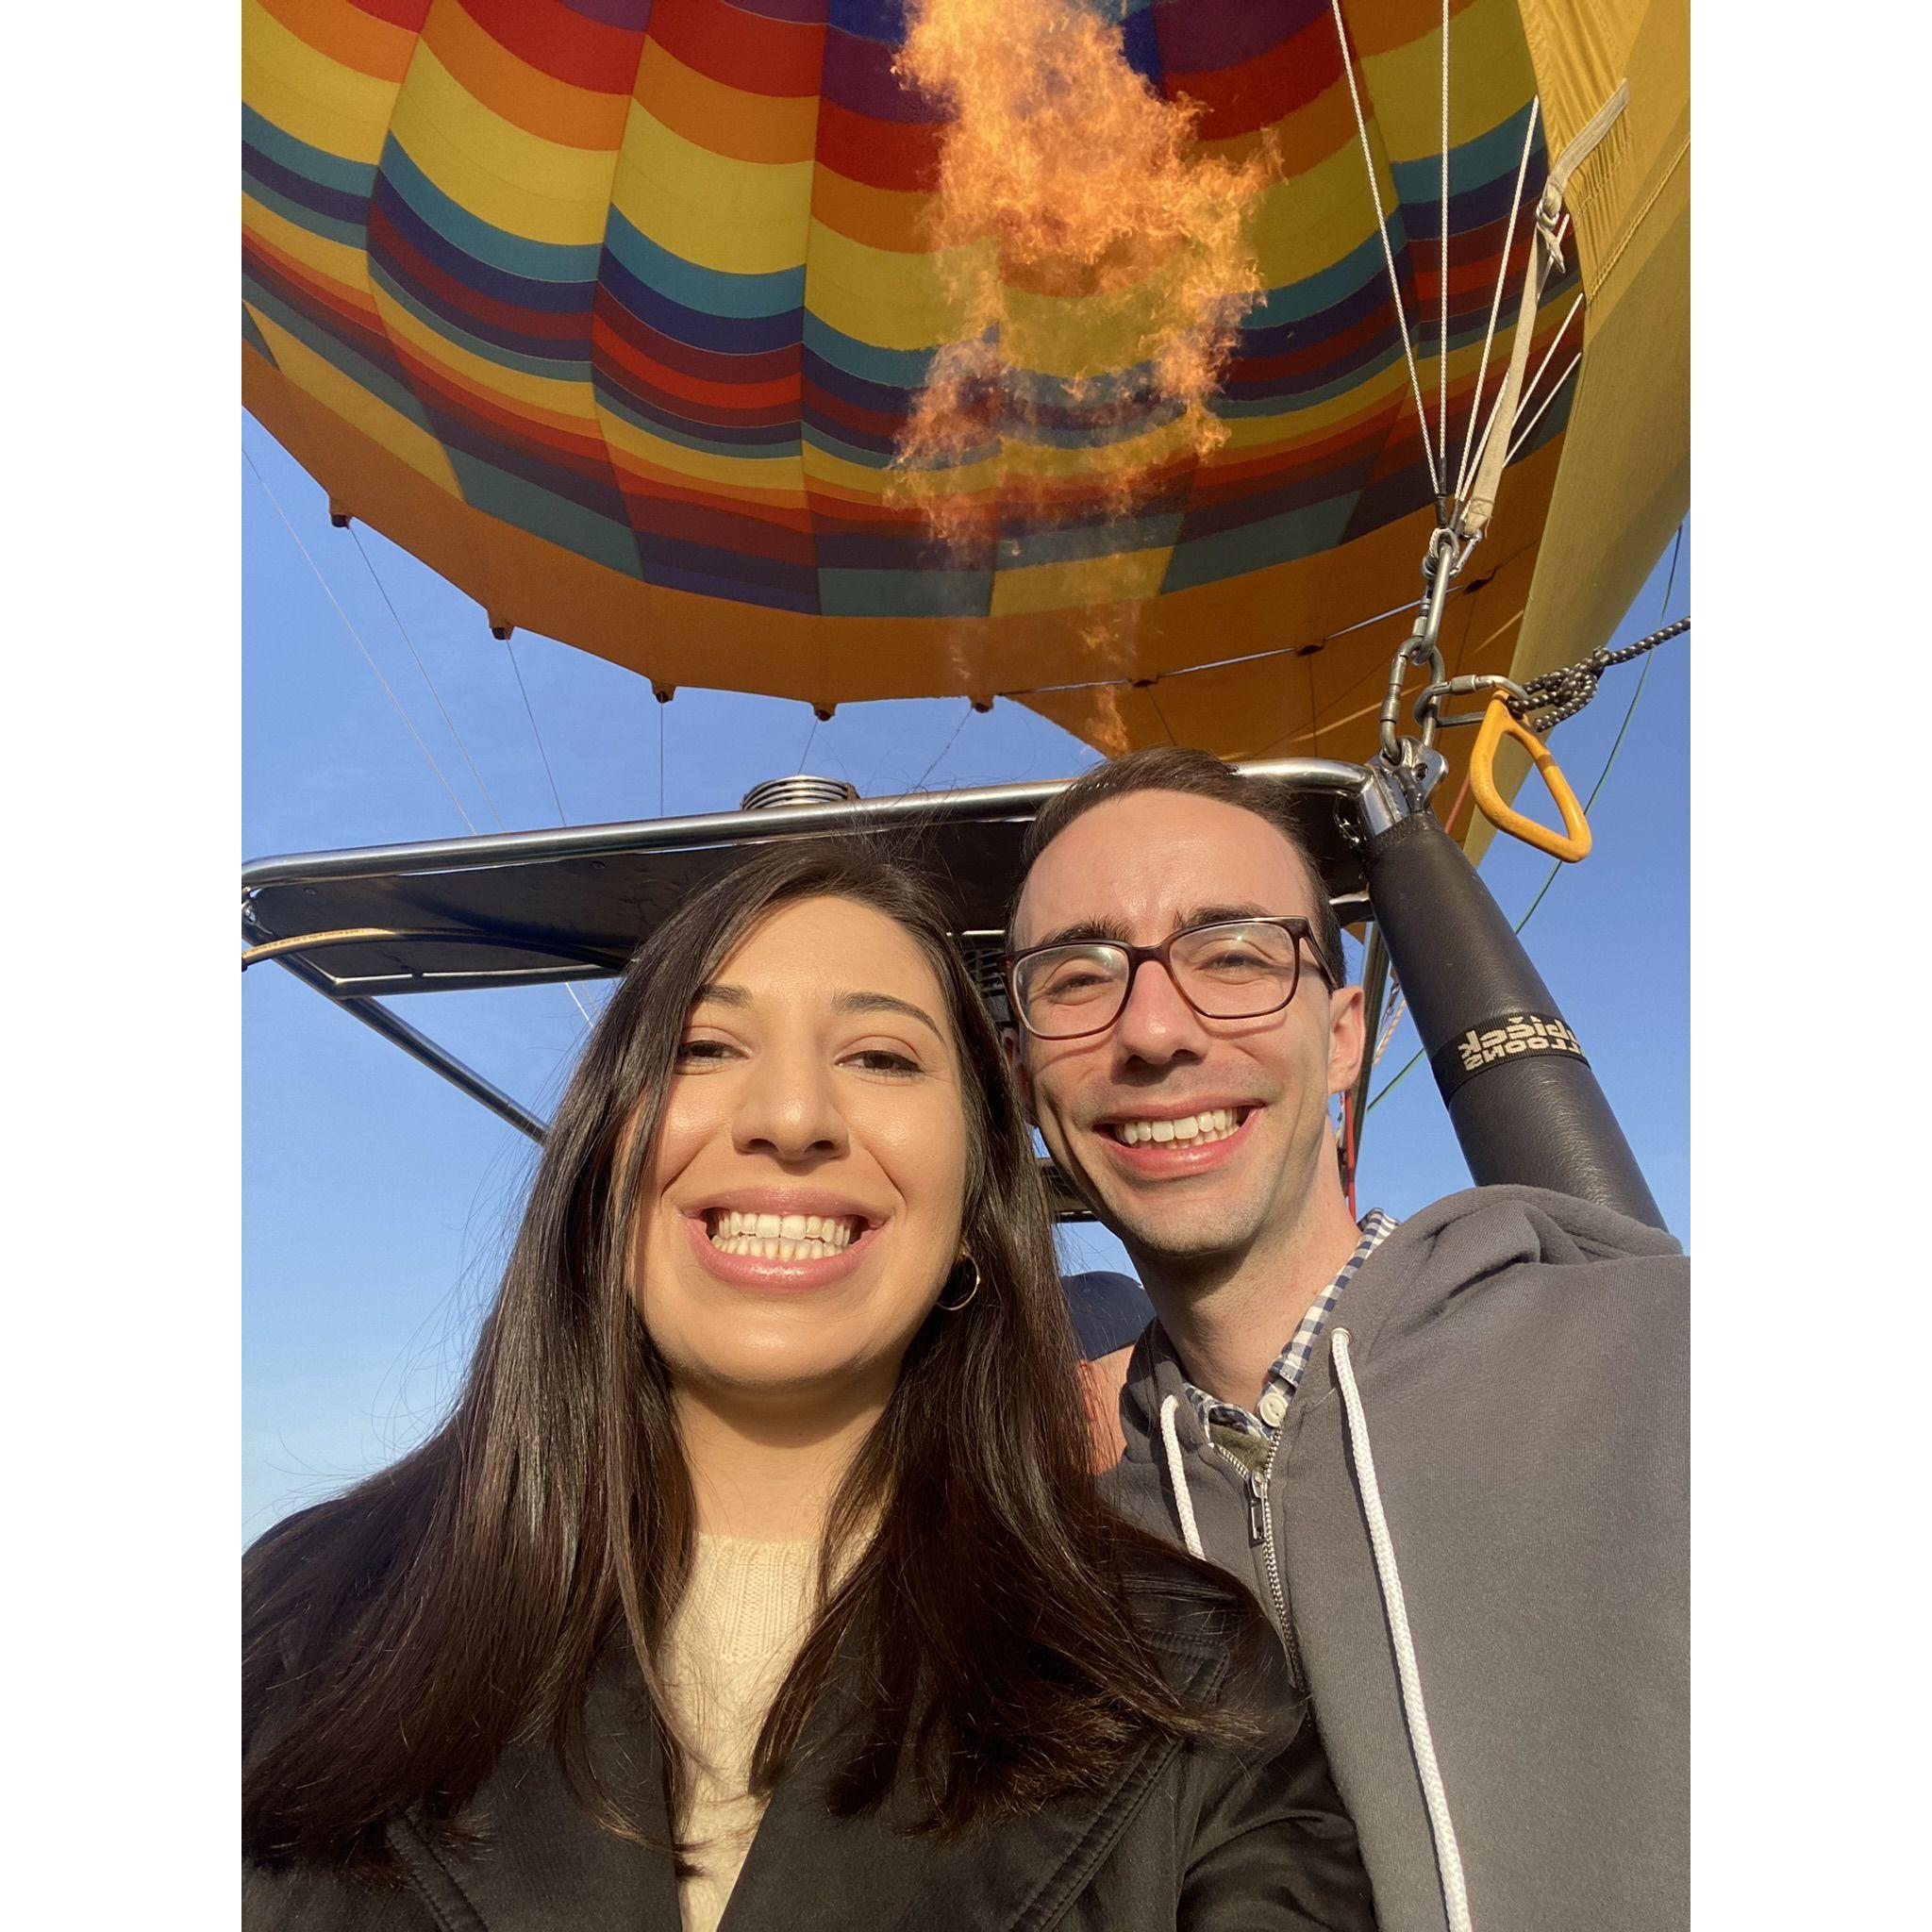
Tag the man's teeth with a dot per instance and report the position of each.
(782, 1237)
(1216, 1124)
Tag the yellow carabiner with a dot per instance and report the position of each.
(1499, 722)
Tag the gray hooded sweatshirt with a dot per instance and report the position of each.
(1501, 1685)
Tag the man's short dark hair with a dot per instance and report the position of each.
(1198, 774)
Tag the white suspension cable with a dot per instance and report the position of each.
(556, 797)
(1389, 1031)
(1555, 343)
(416, 656)
(1361, 128)
(1443, 326)
(369, 564)
(408, 723)
(1570, 370)
(1476, 408)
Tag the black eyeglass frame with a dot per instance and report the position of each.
(1297, 928)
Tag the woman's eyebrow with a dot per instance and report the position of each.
(884, 1003)
(721, 996)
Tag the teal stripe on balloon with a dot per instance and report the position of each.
(707, 290)
(517, 255)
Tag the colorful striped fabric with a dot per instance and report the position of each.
(612, 309)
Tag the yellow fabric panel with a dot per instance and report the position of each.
(1377, 26)
(1626, 483)
(893, 301)
(883, 218)
(323, 383)
(855, 480)
(1488, 78)
(339, 263)
(346, 33)
(305, 93)
(776, 479)
(563, 402)
(710, 209)
(1582, 50)
(747, 128)
(501, 172)
(1308, 223)
(1080, 582)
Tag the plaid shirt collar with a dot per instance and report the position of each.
(1221, 1418)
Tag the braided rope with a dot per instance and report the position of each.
(1561, 694)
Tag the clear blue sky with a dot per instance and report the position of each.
(379, 1201)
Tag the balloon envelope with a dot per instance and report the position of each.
(612, 311)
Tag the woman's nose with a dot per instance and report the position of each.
(789, 1109)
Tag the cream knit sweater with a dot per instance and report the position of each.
(744, 1613)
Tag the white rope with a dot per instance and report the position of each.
(1448, 1858)
(1389, 1031)
(1482, 373)
(1177, 1474)
(380, 679)
(1569, 370)
(416, 656)
(1442, 327)
(1361, 128)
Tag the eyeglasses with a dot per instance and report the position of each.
(1230, 969)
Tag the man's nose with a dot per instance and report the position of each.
(1157, 1025)
(790, 1110)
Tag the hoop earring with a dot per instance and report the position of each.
(954, 1307)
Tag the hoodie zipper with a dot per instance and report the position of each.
(1261, 1533)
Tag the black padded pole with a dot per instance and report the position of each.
(1524, 1103)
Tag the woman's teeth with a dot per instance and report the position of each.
(1216, 1124)
(782, 1236)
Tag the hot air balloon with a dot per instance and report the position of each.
(615, 315)
(633, 318)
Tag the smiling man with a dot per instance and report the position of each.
(1449, 1456)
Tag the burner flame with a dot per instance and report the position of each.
(1098, 267)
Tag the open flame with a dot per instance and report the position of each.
(1098, 266)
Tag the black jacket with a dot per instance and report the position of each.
(1212, 1838)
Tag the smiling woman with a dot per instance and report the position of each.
(761, 1541)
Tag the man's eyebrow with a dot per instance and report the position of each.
(717, 995)
(1090, 931)
(1082, 932)
(1216, 915)
(885, 1003)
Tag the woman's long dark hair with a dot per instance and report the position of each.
(408, 1632)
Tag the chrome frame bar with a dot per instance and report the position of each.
(907, 810)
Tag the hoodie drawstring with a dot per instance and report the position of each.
(1448, 1858)
(1177, 1473)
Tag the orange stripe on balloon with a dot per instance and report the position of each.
(526, 96)
(878, 217)
(725, 119)
(349, 36)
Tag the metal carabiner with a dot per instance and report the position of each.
(1421, 648)
(1465, 686)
